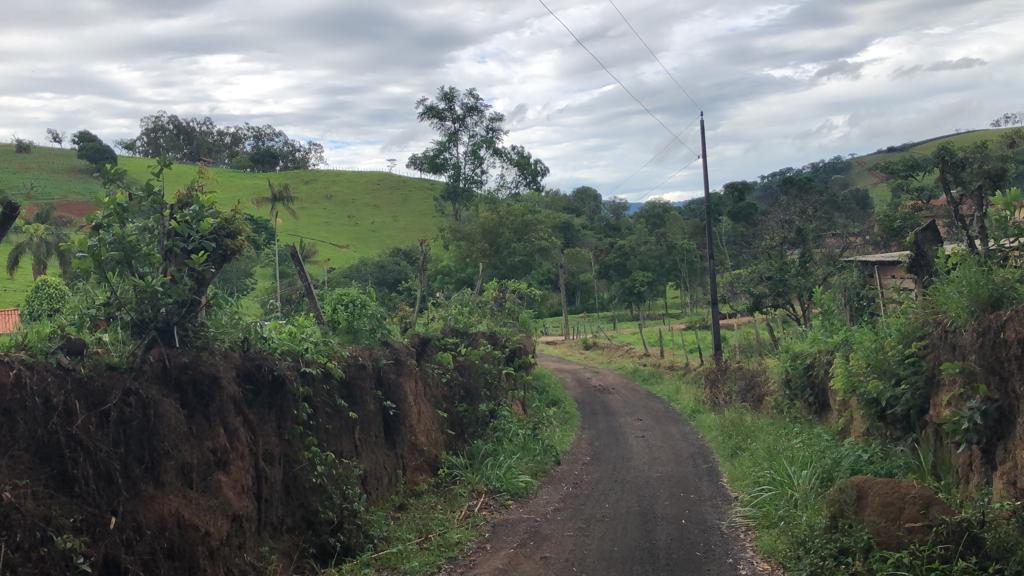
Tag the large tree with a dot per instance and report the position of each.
(468, 151)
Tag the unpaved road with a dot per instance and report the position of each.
(638, 494)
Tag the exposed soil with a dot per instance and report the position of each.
(639, 493)
(201, 465)
(74, 208)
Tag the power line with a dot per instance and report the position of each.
(614, 77)
(658, 60)
(674, 174)
(655, 156)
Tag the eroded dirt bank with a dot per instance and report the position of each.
(229, 464)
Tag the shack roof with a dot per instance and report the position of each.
(885, 258)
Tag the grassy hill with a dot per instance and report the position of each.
(352, 214)
(864, 176)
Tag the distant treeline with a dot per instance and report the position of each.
(243, 147)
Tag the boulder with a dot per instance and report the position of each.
(895, 513)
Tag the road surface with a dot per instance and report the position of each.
(638, 494)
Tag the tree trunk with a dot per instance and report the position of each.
(593, 271)
(980, 210)
(277, 266)
(771, 333)
(420, 282)
(8, 216)
(307, 284)
(954, 205)
(479, 278)
(565, 305)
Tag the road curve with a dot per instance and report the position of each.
(638, 494)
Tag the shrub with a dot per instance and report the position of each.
(732, 384)
(804, 369)
(300, 340)
(153, 260)
(46, 299)
(23, 146)
(97, 153)
(885, 372)
(970, 288)
(354, 315)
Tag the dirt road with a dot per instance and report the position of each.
(638, 494)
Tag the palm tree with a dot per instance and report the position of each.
(43, 237)
(279, 197)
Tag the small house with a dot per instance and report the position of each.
(888, 271)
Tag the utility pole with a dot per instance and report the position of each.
(716, 328)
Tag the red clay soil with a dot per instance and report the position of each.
(77, 209)
(197, 465)
(638, 494)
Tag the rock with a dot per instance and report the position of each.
(895, 513)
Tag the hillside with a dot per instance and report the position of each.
(863, 175)
(352, 214)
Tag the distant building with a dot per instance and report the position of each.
(10, 320)
(888, 271)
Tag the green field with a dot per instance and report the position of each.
(351, 214)
(861, 174)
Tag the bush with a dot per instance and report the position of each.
(355, 316)
(46, 299)
(732, 384)
(970, 288)
(885, 372)
(97, 153)
(152, 261)
(300, 340)
(23, 146)
(804, 370)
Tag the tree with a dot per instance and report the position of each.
(83, 137)
(280, 196)
(153, 261)
(55, 136)
(908, 175)
(520, 172)
(93, 150)
(468, 145)
(972, 173)
(199, 140)
(43, 238)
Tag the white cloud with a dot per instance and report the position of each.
(782, 83)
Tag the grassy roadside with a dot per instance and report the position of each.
(421, 530)
(782, 466)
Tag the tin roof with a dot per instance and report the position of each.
(888, 258)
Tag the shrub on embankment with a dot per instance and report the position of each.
(204, 463)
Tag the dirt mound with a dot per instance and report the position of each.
(896, 513)
(226, 465)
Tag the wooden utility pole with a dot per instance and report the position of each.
(307, 283)
(716, 328)
(565, 305)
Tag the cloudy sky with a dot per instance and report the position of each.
(781, 83)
